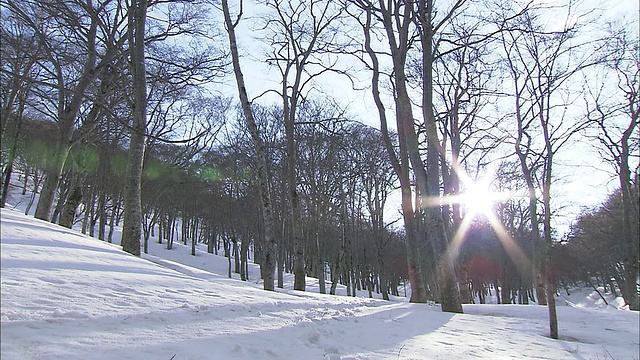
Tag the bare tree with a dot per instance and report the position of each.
(132, 226)
(92, 54)
(398, 47)
(20, 51)
(300, 33)
(614, 112)
(541, 64)
(428, 27)
(378, 179)
(171, 79)
(269, 263)
(403, 23)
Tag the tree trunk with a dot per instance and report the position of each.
(112, 220)
(541, 289)
(506, 292)
(64, 189)
(193, 245)
(244, 254)
(132, 227)
(400, 163)
(428, 179)
(236, 256)
(269, 264)
(335, 275)
(6, 179)
(630, 222)
(384, 289)
(299, 273)
(551, 301)
(281, 265)
(36, 184)
(320, 267)
(51, 182)
(102, 222)
(74, 198)
(211, 243)
(227, 250)
(27, 169)
(465, 292)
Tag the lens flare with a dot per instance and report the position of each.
(478, 200)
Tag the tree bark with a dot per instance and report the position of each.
(400, 162)
(630, 213)
(68, 214)
(429, 179)
(268, 266)
(132, 227)
(6, 179)
(67, 117)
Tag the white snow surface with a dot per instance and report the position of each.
(67, 296)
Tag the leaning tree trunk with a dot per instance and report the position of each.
(6, 180)
(400, 163)
(268, 265)
(53, 176)
(68, 214)
(67, 118)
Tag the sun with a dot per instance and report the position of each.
(478, 199)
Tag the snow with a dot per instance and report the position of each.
(68, 296)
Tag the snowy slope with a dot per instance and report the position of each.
(67, 296)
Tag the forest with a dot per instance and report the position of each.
(363, 143)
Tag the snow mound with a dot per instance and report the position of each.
(590, 299)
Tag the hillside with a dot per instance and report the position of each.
(68, 296)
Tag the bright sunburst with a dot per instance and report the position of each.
(477, 199)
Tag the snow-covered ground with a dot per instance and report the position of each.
(68, 296)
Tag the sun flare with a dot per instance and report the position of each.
(477, 197)
(477, 200)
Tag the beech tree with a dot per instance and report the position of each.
(132, 227)
(514, 215)
(541, 64)
(175, 71)
(368, 17)
(378, 179)
(69, 77)
(596, 251)
(269, 263)
(401, 22)
(320, 141)
(613, 111)
(21, 49)
(301, 33)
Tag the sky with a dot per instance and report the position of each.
(581, 179)
(68, 296)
